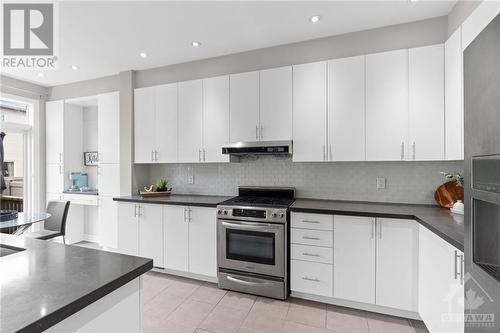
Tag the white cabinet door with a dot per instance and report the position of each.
(244, 107)
(309, 112)
(151, 233)
(128, 228)
(54, 131)
(276, 104)
(346, 109)
(397, 264)
(108, 129)
(144, 124)
(454, 116)
(176, 237)
(387, 106)
(165, 129)
(311, 277)
(55, 178)
(203, 241)
(108, 222)
(108, 179)
(426, 117)
(440, 291)
(190, 121)
(354, 258)
(215, 118)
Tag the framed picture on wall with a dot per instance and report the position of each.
(90, 158)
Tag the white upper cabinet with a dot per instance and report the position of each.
(244, 107)
(454, 115)
(354, 258)
(387, 106)
(165, 129)
(190, 121)
(309, 112)
(397, 264)
(346, 109)
(144, 124)
(215, 118)
(426, 114)
(108, 178)
(276, 104)
(108, 129)
(54, 120)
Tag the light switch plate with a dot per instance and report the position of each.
(381, 183)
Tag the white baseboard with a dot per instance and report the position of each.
(358, 305)
(91, 238)
(186, 274)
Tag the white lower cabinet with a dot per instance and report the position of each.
(354, 258)
(311, 277)
(176, 235)
(397, 264)
(363, 259)
(202, 241)
(441, 289)
(108, 222)
(140, 230)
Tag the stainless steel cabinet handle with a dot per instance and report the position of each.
(256, 132)
(261, 131)
(204, 155)
(140, 210)
(189, 214)
(135, 210)
(379, 230)
(311, 254)
(311, 221)
(152, 156)
(324, 153)
(402, 151)
(156, 155)
(372, 235)
(60, 169)
(185, 212)
(311, 238)
(456, 273)
(311, 279)
(414, 150)
(199, 155)
(60, 157)
(462, 264)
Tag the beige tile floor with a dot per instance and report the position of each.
(179, 305)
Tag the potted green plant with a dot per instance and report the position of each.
(162, 185)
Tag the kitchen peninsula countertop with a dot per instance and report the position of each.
(47, 282)
(177, 199)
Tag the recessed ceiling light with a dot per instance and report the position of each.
(195, 44)
(75, 67)
(143, 55)
(315, 18)
(413, 0)
(40, 74)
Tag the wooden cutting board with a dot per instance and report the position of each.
(448, 193)
(155, 194)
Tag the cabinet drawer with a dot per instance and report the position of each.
(312, 221)
(312, 253)
(81, 199)
(312, 278)
(312, 237)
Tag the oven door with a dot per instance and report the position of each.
(252, 247)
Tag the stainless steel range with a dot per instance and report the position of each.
(252, 238)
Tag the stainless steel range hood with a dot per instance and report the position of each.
(258, 148)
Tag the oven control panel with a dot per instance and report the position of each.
(278, 215)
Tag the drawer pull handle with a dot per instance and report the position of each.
(310, 221)
(311, 279)
(311, 238)
(310, 254)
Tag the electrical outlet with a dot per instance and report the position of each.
(191, 179)
(381, 183)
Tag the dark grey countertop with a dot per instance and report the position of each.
(446, 225)
(49, 282)
(178, 199)
(81, 192)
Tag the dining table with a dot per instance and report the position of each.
(22, 222)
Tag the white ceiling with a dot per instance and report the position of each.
(104, 38)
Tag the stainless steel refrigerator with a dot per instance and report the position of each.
(482, 181)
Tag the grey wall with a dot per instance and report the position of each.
(86, 88)
(414, 34)
(407, 182)
(461, 10)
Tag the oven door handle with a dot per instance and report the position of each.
(246, 282)
(266, 227)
